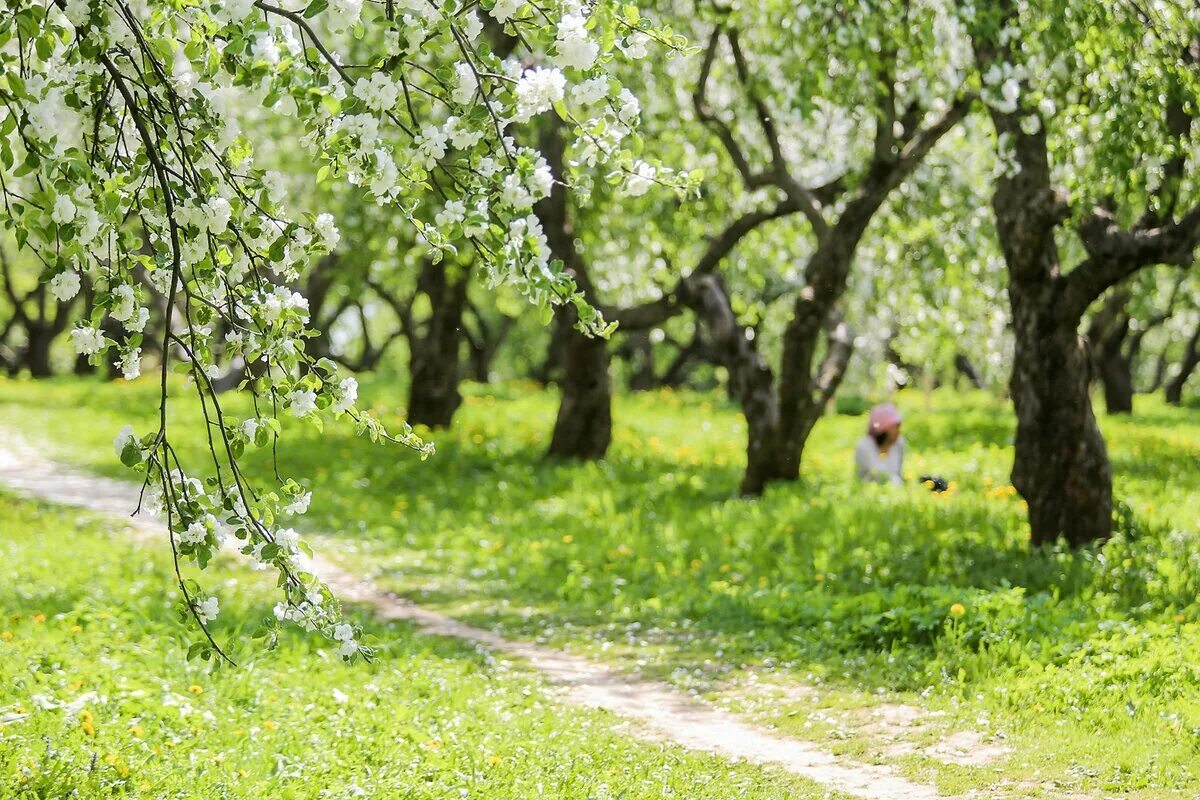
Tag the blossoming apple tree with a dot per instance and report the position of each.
(123, 167)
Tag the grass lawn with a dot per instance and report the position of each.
(94, 657)
(1083, 665)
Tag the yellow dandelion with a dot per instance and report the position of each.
(269, 725)
(39, 618)
(242, 773)
(76, 628)
(568, 538)
(6, 636)
(88, 727)
(195, 688)
(111, 758)
(137, 730)
(957, 610)
(494, 760)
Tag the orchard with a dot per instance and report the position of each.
(553, 398)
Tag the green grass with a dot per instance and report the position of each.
(91, 649)
(1084, 661)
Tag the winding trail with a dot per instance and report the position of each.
(662, 714)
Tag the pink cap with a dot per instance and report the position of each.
(883, 416)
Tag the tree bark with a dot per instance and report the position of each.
(485, 343)
(966, 368)
(1060, 464)
(433, 395)
(1191, 360)
(1108, 333)
(39, 340)
(639, 351)
(583, 426)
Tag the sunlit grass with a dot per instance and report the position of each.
(1086, 659)
(97, 700)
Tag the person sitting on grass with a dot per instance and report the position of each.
(879, 456)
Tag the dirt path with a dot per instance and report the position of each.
(662, 714)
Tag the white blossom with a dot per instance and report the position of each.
(575, 47)
(207, 609)
(347, 392)
(87, 340)
(537, 91)
(65, 285)
(64, 209)
(504, 10)
(302, 402)
(124, 438)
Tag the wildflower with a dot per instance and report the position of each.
(195, 688)
(269, 725)
(957, 610)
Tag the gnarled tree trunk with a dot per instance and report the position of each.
(1060, 463)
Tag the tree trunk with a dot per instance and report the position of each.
(483, 346)
(433, 395)
(1108, 333)
(641, 361)
(1060, 464)
(1116, 376)
(1191, 360)
(40, 338)
(583, 427)
(775, 441)
(966, 368)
